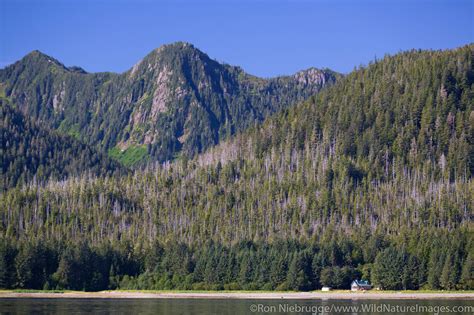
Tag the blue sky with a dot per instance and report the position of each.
(266, 38)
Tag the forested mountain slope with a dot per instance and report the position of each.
(29, 151)
(390, 146)
(175, 100)
(370, 178)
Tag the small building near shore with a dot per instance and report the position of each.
(360, 285)
(325, 289)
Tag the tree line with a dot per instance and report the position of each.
(428, 259)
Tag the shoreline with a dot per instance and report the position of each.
(345, 295)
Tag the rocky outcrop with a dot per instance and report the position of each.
(174, 99)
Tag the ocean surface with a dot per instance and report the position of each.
(231, 306)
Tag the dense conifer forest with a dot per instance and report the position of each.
(31, 152)
(370, 178)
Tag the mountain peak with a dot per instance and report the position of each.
(311, 76)
(179, 49)
(176, 45)
(169, 54)
(36, 54)
(38, 57)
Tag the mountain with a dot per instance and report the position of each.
(29, 151)
(371, 178)
(175, 101)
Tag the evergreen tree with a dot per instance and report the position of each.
(388, 268)
(467, 276)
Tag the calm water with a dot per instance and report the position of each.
(227, 306)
